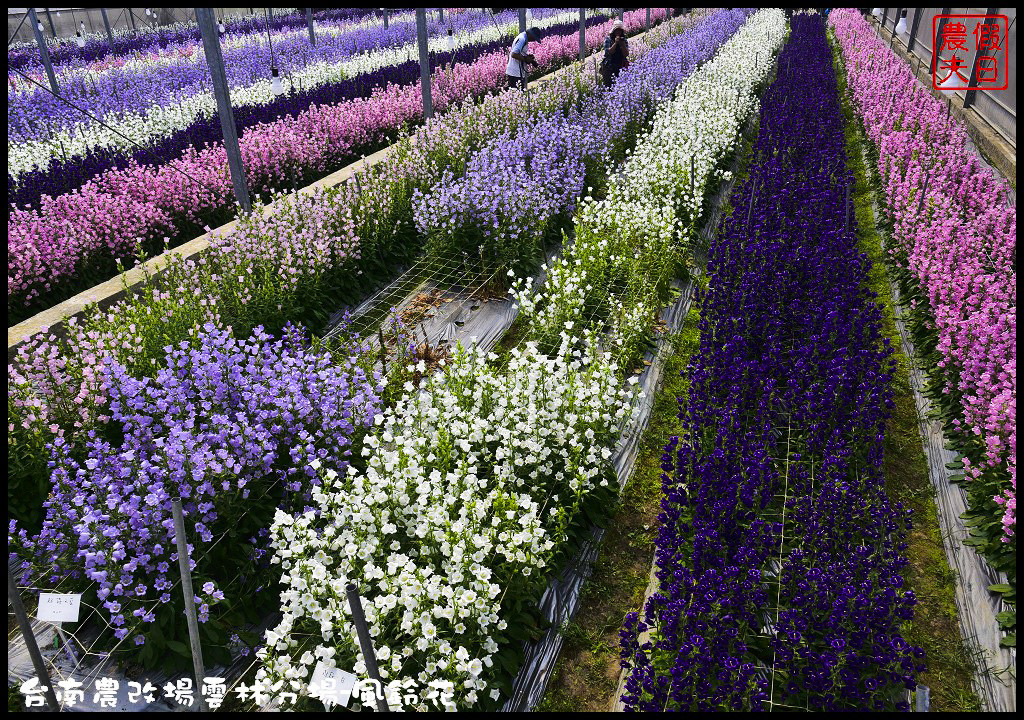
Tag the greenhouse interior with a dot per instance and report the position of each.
(511, 359)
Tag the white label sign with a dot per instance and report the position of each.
(331, 685)
(58, 607)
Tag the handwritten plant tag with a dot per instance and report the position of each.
(331, 685)
(59, 607)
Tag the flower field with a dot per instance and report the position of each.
(317, 449)
(761, 601)
(61, 242)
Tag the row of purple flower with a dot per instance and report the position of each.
(67, 50)
(780, 557)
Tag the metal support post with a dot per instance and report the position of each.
(914, 25)
(309, 24)
(385, 18)
(583, 33)
(647, 25)
(972, 92)
(49, 19)
(365, 643)
(522, 19)
(936, 53)
(106, 25)
(211, 46)
(14, 598)
(15, 33)
(421, 39)
(44, 52)
(186, 588)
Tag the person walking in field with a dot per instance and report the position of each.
(519, 59)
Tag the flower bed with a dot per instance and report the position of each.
(779, 556)
(67, 396)
(150, 111)
(472, 486)
(144, 38)
(317, 251)
(954, 252)
(629, 245)
(227, 425)
(503, 205)
(108, 217)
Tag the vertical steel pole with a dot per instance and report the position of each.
(131, 16)
(622, 14)
(186, 588)
(421, 39)
(14, 597)
(49, 19)
(440, 15)
(106, 25)
(309, 24)
(972, 93)
(522, 19)
(648, 24)
(44, 52)
(914, 25)
(211, 46)
(385, 18)
(895, 21)
(363, 630)
(583, 33)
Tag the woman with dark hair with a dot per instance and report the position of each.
(616, 54)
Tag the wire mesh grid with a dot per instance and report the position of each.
(91, 635)
(450, 277)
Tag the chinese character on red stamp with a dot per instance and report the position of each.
(970, 51)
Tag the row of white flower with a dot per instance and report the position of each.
(121, 130)
(623, 243)
(470, 484)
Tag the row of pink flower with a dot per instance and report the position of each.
(111, 214)
(189, 49)
(263, 267)
(960, 242)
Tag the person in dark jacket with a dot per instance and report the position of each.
(616, 55)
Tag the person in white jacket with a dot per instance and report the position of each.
(519, 59)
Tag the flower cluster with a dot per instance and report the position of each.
(229, 426)
(503, 204)
(472, 482)
(955, 230)
(780, 557)
(628, 245)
